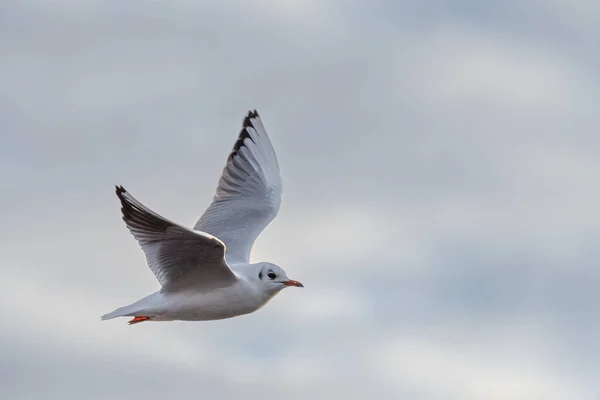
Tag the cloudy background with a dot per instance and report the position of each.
(441, 166)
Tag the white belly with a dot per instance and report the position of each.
(204, 306)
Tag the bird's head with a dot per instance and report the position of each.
(273, 278)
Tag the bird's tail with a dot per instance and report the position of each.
(143, 307)
(123, 312)
(126, 311)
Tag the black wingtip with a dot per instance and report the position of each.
(251, 114)
(120, 190)
(244, 133)
(125, 204)
(240, 142)
(128, 208)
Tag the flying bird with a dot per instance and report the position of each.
(205, 272)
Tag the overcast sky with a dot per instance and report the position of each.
(441, 169)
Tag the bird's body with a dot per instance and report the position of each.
(199, 305)
(205, 272)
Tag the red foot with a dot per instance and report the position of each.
(138, 319)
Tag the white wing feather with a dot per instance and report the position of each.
(248, 196)
(178, 256)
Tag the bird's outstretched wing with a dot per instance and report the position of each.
(178, 256)
(249, 192)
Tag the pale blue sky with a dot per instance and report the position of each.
(440, 165)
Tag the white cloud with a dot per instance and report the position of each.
(582, 15)
(333, 236)
(497, 365)
(290, 11)
(325, 302)
(296, 369)
(473, 71)
(72, 319)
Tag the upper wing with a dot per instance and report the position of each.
(249, 192)
(178, 256)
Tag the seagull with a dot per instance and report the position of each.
(205, 272)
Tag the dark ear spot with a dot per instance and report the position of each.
(260, 274)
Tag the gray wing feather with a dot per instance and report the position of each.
(178, 256)
(248, 195)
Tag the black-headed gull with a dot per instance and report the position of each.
(205, 272)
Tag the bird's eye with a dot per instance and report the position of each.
(271, 275)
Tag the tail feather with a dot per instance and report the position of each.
(139, 308)
(119, 312)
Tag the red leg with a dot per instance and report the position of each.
(138, 319)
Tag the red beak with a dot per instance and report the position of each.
(292, 282)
